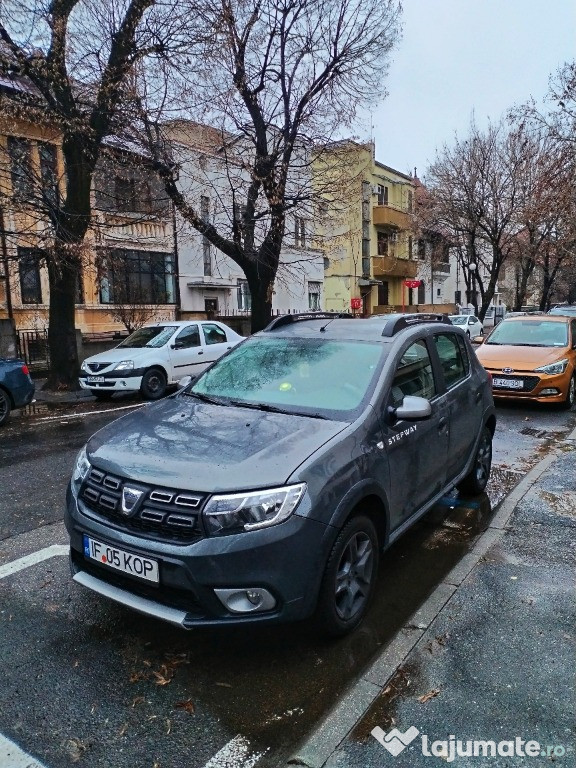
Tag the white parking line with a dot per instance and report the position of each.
(25, 562)
(235, 754)
(73, 415)
(11, 756)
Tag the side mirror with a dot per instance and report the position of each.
(412, 409)
(478, 340)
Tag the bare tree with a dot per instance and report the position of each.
(474, 186)
(288, 74)
(79, 57)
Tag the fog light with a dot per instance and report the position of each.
(550, 391)
(249, 600)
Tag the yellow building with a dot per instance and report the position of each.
(128, 264)
(365, 227)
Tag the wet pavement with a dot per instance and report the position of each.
(493, 673)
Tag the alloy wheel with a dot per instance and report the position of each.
(354, 576)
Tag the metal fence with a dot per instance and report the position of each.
(33, 347)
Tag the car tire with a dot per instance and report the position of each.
(349, 578)
(571, 394)
(477, 479)
(5, 406)
(154, 384)
(99, 394)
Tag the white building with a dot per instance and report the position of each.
(213, 180)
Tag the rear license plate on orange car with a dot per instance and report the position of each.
(508, 383)
(120, 560)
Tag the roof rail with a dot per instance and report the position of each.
(398, 322)
(278, 322)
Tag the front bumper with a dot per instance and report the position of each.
(286, 560)
(120, 384)
(538, 387)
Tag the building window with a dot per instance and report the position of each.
(29, 269)
(421, 249)
(206, 254)
(299, 232)
(382, 195)
(382, 243)
(314, 296)
(125, 194)
(410, 201)
(244, 297)
(20, 154)
(137, 277)
(421, 293)
(438, 293)
(48, 172)
(410, 245)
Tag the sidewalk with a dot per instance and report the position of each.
(490, 657)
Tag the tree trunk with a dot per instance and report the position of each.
(64, 365)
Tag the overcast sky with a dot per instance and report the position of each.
(459, 57)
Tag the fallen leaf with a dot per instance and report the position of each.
(187, 706)
(168, 727)
(164, 677)
(224, 685)
(430, 695)
(138, 700)
(135, 677)
(123, 730)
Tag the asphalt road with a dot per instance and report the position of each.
(89, 682)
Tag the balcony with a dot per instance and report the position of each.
(386, 216)
(392, 266)
(441, 269)
(137, 228)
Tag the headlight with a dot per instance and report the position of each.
(250, 511)
(81, 469)
(125, 365)
(558, 367)
(84, 367)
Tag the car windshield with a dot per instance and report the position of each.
(530, 333)
(306, 376)
(459, 319)
(153, 336)
(571, 310)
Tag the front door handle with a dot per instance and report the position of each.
(441, 422)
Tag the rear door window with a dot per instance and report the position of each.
(213, 334)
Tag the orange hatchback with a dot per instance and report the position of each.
(532, 357)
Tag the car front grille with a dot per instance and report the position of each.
(160, 513)
(96, 367)
(528, 382)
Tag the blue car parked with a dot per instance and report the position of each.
(16, 386)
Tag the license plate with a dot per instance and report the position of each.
(120, 560)
(95, 379)
(508, 383)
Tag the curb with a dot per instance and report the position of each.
(319, 746)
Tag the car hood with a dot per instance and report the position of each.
(521, 358)
(183, 443)
(115, 355)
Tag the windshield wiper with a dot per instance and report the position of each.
(274, 409)
(206, 398)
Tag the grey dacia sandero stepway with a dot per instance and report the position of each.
(266, 489)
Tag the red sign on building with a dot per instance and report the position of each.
(356, 303)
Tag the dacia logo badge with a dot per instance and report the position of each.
(507, 370)
(130, 498)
